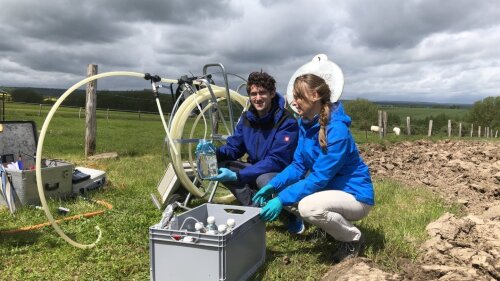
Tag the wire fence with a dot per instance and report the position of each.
(20, 111)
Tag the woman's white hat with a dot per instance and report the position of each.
(324, 68)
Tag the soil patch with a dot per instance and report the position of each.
(461, 172)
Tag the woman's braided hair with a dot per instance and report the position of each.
(315, 83)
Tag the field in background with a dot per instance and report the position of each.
(456, 114)
(393, 232)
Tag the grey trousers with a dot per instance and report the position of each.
(333, 211)
(244, 193)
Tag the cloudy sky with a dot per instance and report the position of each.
(412, 50)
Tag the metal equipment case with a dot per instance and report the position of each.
(20, 138)
(96, 180)
(235, 255)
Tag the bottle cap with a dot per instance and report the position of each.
(231, 222)
(198, 226)
(222, 228)
(211, 220)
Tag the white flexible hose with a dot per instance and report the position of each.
(179, 121)
(42, 138)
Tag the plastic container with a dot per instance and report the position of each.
(206, 159)
(235, 255)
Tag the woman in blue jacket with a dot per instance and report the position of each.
(327, 178)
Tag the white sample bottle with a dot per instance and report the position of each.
(211, 226)
(230, 224)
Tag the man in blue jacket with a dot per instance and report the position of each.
(266, 132)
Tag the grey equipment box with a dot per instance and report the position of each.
(20, 138)
(235, 255)
(96, 180)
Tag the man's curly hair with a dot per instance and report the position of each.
(261, 79)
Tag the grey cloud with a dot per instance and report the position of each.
(388, 49)
(59, 22)
(401, 24)
(172, 11)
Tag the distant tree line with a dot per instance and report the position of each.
(142, 100)
(483, 113)
(363, 112)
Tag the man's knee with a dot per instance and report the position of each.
(264, 179)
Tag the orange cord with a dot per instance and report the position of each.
(38, 226)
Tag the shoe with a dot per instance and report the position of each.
(349, 250)
(296, 224)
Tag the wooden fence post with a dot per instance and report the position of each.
(486, 132)
(478, 131)
(496, 133)
(79, 113)
(449, 128)
(90, 112)
(408, 128)
(471, 129)
(384, 121)
(429, 133)
(460, 129)
(40, 110)
(380, 133)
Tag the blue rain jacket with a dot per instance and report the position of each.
(269, 141)
(339, 168)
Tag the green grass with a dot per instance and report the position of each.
(394, 229)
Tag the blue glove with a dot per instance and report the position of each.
(225, 175)
(263, 195)
(272, 210)
(198, 148)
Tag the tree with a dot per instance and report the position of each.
(26, 95)
(363, 113)
(485, 112)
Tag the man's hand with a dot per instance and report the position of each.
(198, 148)
(225, 175)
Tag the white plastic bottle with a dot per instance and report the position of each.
(206, 159)
(230, 224)
(221, 229)
(199, 227)
(211, 226)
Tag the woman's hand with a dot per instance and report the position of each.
(272, 210)
(263, 195)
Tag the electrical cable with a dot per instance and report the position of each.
(38, 226)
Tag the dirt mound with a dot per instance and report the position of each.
(459, 248)
(460, 171)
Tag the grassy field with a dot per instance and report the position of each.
(457, 114)
(393, 231)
